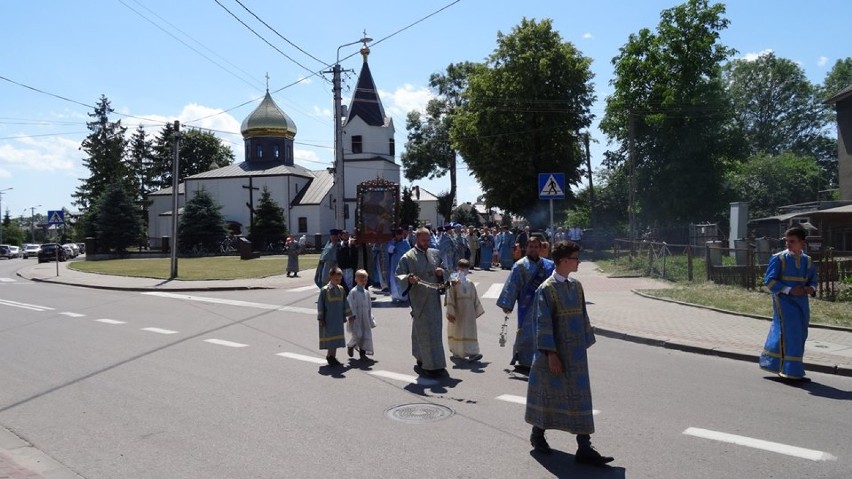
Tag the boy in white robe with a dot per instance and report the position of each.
(463, 307)
(361, 322)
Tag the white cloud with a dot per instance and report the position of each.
(823, 61)
(40, 154)
(309, 159)
(405, 99)
(324, 113)
(5, 173)
(750, 57)
(305, 80)
(588, 36)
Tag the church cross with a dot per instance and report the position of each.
(250, 203)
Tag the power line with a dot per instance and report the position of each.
(188, 45)
(268, 43)
(281, 36)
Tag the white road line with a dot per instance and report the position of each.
(404, 377)
(72, 315)
(234, 302)
(31, 307)
(522, 400)
(302, 289)
(302, 357)
(222, 342)
(795, 451)
(493, 291)
(160, 331)
(110, 321)
(7, 280)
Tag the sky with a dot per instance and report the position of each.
(158, 61)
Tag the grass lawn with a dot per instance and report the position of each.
(195, 269)
(732, 298)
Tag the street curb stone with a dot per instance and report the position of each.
(24, 455)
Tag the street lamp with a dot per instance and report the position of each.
(339, 188)
(1, 212)
(32, 221)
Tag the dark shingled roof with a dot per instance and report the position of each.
(841, 95)
(251, 169)
(366, 102)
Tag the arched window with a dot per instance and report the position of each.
(259, 151)
(275, 152)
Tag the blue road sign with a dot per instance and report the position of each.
(56, 217)
(551, 186)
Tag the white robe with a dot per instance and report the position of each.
(361, 328)
(462, 302)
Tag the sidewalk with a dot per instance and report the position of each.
(20, 460)
(615, 308)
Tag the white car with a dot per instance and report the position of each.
(16, 251)
(69, 251)
(75, 250)
(31, 250)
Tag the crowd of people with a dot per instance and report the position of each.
(429, 271)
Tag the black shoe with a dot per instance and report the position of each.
(434, 373)
(525, 370)
(539, 444)
(332, 361)
(419, 363)
(363, 355)
(588, 455)
(350, 350)
(476, 357)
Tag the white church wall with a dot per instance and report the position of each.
(159, 226)
(374, 139)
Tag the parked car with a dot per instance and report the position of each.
(48, 253)
(69, 252)
(31, 250)
(6, 251)
(16, 251)
(75, 250)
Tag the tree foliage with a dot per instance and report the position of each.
(465, 215)
(668, 85)
(202, 226)
(521, 113)
(140, 161)
(409, 210)
(768, 181)
(269, 225)
(12, 233)
(428, 151)
(104, 149)
(200, 151)
(117, 222)
(838, 78)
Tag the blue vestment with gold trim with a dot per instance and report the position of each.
(333, 308)
(785, 344)
(525, 278)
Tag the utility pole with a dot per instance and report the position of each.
(631, 151)
(1, 212)
(591, 189)
(175, 184)
(32, 221)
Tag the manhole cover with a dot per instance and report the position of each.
(418, 413)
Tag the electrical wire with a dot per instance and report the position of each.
(313, 73)
(281, 36)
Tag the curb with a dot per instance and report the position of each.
(734, 313)
(24, 454)
(698, 348)
(144, 288)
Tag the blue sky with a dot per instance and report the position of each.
(165, 60)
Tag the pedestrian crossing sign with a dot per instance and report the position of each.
(56, 217)
(551, 186)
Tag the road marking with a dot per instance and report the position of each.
(302, 357)
(303, 289)
(522, 400)
(72, 315)
(110, 321)
(404, 377)
(31, 307)
(795, 451)
(160, 331)
(493, 291)
(235, 302)
(222, 342)
(7, 280)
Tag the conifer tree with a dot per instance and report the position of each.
(117, 223)
(104, 148)
(269, 225)
(202, 226)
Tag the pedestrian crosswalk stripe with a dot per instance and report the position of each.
(302, 357)
(7, 280)
(72, 315)
(110, 321)
(222, 342)
(404, 377)
(779, 448)
(234, 302)
(302, 289)
(31, 307)
(160, 331)
(493, 291)
(522, 400)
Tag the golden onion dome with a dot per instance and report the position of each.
(268, 120)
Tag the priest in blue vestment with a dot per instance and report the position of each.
(791, 278)
(528, 273)
(396, 248)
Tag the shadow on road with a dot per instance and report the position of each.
(472, 366)
(814, 388)
(562, 465)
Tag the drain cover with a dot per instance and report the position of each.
(418, 413)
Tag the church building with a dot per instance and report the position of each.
(307, 196)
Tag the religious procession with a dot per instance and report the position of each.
(428, 271)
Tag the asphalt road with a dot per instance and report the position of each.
(145, 394)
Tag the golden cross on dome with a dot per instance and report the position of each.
(267, 81)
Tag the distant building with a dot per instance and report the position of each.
(306, 195)
(842, 102)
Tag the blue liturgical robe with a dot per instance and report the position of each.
(785, 344)
(486, 251)
(395, 251)
(561, 325)
(525, 278)
(332, 308)
(505, 244)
